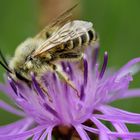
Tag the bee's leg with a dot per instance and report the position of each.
(45, 91)
(71, 56)
(62, 75)
(74, 56)
(82, 64)
(43, 87)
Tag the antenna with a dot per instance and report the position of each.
(5, 67)
(3, 58)
(4, 63)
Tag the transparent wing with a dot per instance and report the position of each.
(69, 31)
(57, 23)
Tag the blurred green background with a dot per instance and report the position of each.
(116, 21)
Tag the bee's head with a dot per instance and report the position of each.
(30, 62)
(22, 59)
(13, 73)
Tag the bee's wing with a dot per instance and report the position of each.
(57, 23)
(69, 31)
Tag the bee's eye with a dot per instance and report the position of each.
(29, 58)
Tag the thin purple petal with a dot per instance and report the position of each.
(82, 133)
(118, 118)
(11, 109)
(104, 65)
(44, 135)
(26, 134)
(85, 71)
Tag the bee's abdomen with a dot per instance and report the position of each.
(91, 35)
(71, 44)
(88, 37)
(82, 40)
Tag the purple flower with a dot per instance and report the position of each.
(65, 115)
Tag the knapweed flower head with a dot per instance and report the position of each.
(64, 114)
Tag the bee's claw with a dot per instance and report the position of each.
(70, 83)
(45, 91)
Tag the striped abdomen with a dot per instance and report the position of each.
(73, 48)
(84, 40)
